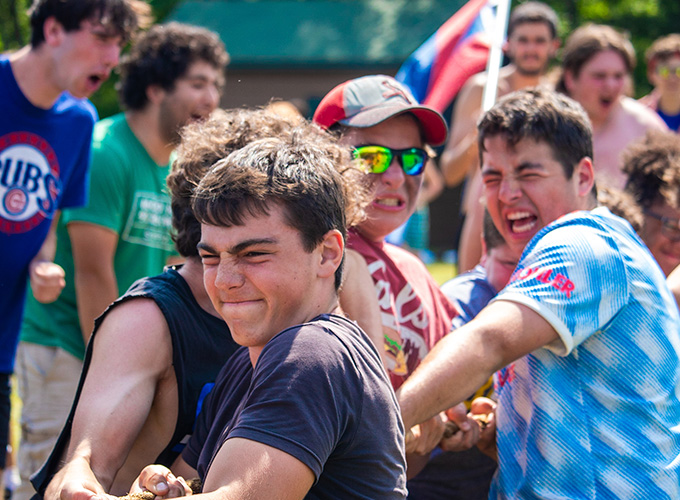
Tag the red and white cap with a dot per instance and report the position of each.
(370, 100)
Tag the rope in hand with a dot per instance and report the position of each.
(194, 484)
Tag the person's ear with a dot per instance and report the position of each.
(155, 94)
(586, 176)
(53, 31)
(331, 250)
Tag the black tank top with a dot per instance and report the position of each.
(201, 344)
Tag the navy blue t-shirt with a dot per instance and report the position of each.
(44, 162)
(319, 393)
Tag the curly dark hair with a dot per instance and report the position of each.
(162, 55)
(623, 204)
(653, 168)
(204, 143)
(122, 17)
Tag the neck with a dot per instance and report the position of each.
(519, 80)
(34, 74)
(192, 272)
(600, 125)
(669, 103)
(145, 125)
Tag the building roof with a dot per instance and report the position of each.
(318, 32)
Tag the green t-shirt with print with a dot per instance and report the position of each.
(128, 195)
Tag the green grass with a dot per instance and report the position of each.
(442, 271)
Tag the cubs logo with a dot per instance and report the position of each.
(29, 182)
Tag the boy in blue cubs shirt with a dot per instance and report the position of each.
(45, 133)
(587, 325)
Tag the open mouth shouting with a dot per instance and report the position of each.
(522, 222)
(95, 80)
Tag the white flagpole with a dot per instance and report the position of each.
(493, 66)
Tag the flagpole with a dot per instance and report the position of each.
(495, 55)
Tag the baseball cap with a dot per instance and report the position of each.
(370, 100)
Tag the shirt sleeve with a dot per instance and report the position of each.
(108, 185)
(292, 405)
(575, 278)
(76, 188)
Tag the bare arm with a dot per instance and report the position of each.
(132, 348)
(241, 470)
(359, 301)
(459, 364)
(245, 469)
(47, 278)
(461, 153)
(95, 280)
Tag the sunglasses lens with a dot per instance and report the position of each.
(413, 161)
(377, 159)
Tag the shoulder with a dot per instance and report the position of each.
(470, 95)
(136, 322)
(465, 282)
(76, 109)
(323, 342)
(589, 237)
(638, 113)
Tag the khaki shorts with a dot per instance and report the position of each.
(47, 379)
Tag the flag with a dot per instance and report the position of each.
(437, 70)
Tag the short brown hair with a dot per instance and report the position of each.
(586, 42)
(307, 172)
(653, 168)
(542, 115)
(533, 12)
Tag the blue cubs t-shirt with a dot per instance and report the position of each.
(44, 158)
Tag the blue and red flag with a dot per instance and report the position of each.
(437, 70)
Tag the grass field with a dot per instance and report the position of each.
(442, 271)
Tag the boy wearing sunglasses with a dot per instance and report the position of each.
(386, 129)
(663, 71)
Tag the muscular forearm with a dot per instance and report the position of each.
(457, 366)
(95, 290)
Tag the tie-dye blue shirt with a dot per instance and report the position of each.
(595, 415)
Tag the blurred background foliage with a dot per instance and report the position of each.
(643, 20)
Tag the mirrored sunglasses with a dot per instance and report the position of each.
(378, 159)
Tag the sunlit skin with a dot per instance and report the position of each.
(395, 193)
(665, 250)
(599, 85)
(531, 47)
(261, 280)
(84, 58)
(194, 96)
(526, 188)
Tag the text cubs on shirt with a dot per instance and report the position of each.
(29, 182)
